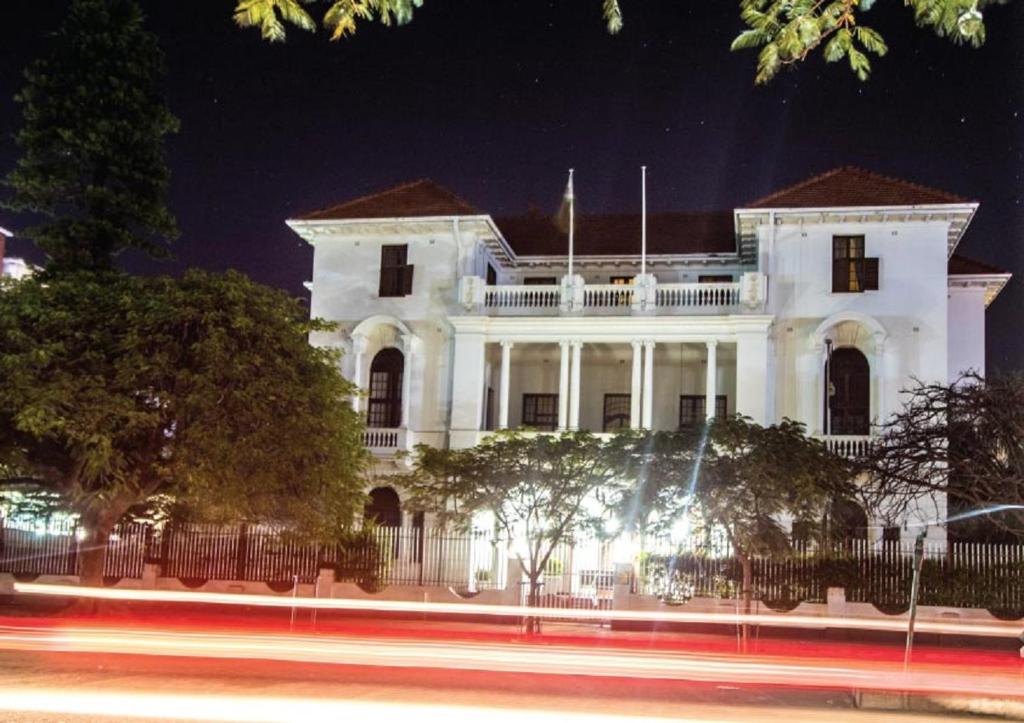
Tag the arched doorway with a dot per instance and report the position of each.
(384, 507)
(848, 393)
(385, 403)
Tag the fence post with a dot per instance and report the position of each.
(242, 552)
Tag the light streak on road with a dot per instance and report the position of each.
(520, 658)
(898, 625)
(124, 704)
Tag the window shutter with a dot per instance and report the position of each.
(870, 278)
(840, 275)
(407, 279)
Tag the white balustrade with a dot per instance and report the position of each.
(697, 295)
(607, 296)
(382, 439)
(851, 446)
(522, 297)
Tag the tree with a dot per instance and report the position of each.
(92, 155)
(541, 489)
(963, 441)
(118, 389)
(786, 31)
(742, 478)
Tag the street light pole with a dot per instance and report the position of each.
(915, 587)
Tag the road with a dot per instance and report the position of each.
(105, 672)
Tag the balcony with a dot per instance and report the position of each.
(384, 442)
(643, 297)
(851, 446)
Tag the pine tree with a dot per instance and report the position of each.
(92, 140)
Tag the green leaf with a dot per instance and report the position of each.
(871, 40)
(859, 63)
(748, 39)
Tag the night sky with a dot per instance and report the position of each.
(496, 99)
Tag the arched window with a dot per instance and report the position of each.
(385, 405)
(848, 393)
(384, 508)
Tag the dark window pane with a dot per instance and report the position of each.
(540, 411)
(384, 408)
(692, 408)
(616, 412)
(849, 392)
(540, 281)
(395, 273)
(714, 279)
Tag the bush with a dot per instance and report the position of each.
(359, 559)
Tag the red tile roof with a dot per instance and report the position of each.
(849, 186)
(964, 266)
(418, 198)
(619, 234)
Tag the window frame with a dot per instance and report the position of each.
(395, 271)
(853, 272)
(625, 417)
(699, 407)
(533, 420)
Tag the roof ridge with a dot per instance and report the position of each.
(420, 185)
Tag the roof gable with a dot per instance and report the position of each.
(408, 200)
(618, 234)
(849, 186)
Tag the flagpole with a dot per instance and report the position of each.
(643, 220)
(572, 220)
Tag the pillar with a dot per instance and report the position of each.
(506, 362)
(359, 352)
(574, 388)
(563, 386)
(409, 349)
(648, 405)
(635, 386)
(711, 380)
(467, 389)
(752, 383)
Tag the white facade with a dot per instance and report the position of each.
(673, 342)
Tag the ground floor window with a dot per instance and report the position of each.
(616, 412)
(692, 408)
(540, 411)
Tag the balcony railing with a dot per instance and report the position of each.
(380, 440)
(681, 296)
(612, 299)
(523, 298)
(851, 446)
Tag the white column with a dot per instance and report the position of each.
(506, 361)
(880, 411)
(648, 407)
(752, 383)
(563, 386)
(711, 380)
(634, 390)
(467, 389)
(359, 351)
(574, 388)
(409, 350)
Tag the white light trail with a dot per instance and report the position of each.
(899, 625)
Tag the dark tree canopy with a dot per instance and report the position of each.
(963, 441)
(205, 389)
(92, 158)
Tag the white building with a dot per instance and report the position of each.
(12, 267)
(455, 322)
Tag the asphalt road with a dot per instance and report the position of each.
(53, 686)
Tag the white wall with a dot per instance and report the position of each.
(966, 331)
(910, 305)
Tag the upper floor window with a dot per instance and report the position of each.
(540, 411)
(385, 403)
(616, 412)
(492, 275)
(692, 406)
(714, 279)
(395, 271)
(540, 281)
(851, 271)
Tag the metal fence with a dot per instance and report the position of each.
(194, 553)
(956, 574)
